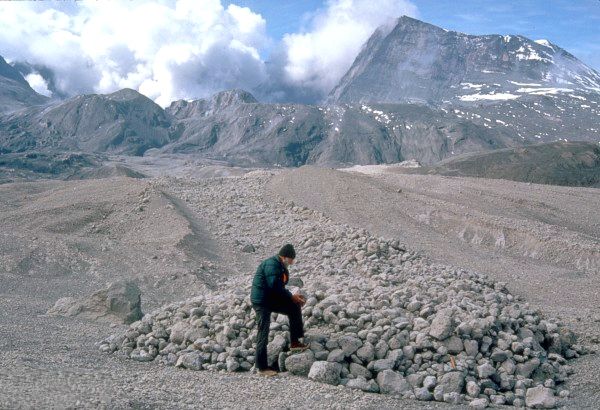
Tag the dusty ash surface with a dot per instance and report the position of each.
(543, 240)
(71, 238)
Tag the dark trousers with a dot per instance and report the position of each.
(263, 321)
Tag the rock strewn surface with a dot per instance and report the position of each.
(373, 308)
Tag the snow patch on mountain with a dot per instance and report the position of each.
(544, 91)
(525, 84)
(545, 43)
(479, 97)
(471, 85)
(381, 168)
(526, 52)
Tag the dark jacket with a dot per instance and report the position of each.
(268, 285)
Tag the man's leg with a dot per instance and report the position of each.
(263, 321)
(294, 314)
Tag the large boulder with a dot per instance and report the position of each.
(349, 344)
(325, 372)
(527, 368)
(479, 404)
(192, 361)
(366, 353)
(358, 370)
(120, 302)
(391, 382)
(276, 346)
(540, 397)
(454, 344)
(381, 365)
(442, 325)
(452, 382)
(360, 383)
(178, 332)
(300, 364)
(486, 370)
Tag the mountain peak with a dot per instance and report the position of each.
(15, 91)
(405, 21)
(125, 94)
(226, 98)
(417, 62)
(217, 102)
(8, 71)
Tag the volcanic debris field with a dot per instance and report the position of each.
(387, 325)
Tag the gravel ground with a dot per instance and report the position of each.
(53, 363)
(175, 246)
(549, 254)
(56, 242)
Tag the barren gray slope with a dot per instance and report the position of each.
(51, 362)
(555, 163)
(122, 122)
(83, 234)
(461, 222)
(543, 240)
(417, 61)
(15, 92)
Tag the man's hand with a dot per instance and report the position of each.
(298, 299)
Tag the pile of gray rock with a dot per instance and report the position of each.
(379, 317)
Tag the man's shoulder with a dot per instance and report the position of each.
(272, 262)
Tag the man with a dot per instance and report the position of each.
(270, 295)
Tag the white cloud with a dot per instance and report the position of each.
(186, 48)
(167, 50)
(37, 82)
(318, 58)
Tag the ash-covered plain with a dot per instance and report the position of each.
(413, 301)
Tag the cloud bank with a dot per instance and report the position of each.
(38, 83)
(184, 49)
(316, 59)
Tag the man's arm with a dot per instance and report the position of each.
(274, 280)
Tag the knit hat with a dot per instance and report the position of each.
(287, 251)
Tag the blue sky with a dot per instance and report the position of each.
(572, 24)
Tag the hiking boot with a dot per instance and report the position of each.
(267, 372)
(298, 347)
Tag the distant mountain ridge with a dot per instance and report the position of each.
(555, 163)
(422, 63)
(124, 122)
(410, 94)
(233, 126)
(15, 92)
(535, 90)
(248, 132)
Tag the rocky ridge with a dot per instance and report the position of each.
(415, 91)
(15, 92)
(555, 163)
(124, 122)
(380, 317)
(414, 61)
(534, 90)
(232, 126)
